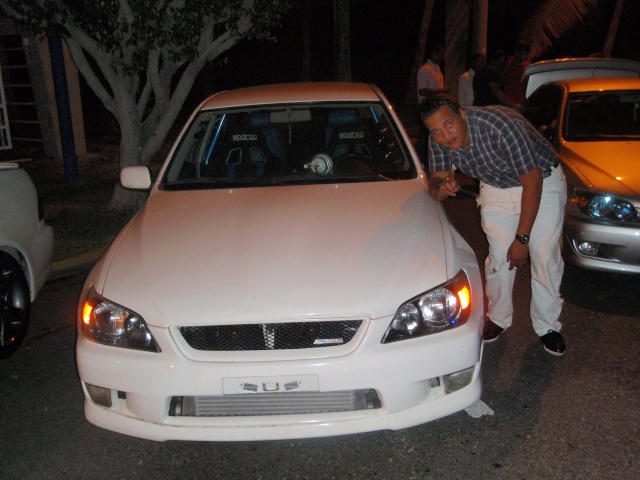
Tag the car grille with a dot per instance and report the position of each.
(274, 403)
(271, 336)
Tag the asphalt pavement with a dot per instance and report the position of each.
(543, 417)
(75, 264)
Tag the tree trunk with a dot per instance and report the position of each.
(124, 200)
(138, 144)
(342, 40)
(613, 29)
(418, 59)
(457, 34)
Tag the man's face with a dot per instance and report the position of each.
(448, 128)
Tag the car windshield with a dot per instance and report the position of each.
(608, 115)
(296, 144)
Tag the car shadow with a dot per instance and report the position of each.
(603, 292)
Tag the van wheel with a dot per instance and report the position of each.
(15, 305)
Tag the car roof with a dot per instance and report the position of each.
(601, 84)
(566, 68)
(304, 92)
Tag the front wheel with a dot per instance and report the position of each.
(15, 305)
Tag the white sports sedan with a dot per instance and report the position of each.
(289, 276)
(26, 249)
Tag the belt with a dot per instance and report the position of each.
(548, 172)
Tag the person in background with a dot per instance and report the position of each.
(514, 87)
(465, 81)
(522, 200)
(429, 81)
(488, 86)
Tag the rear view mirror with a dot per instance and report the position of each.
(290, 116)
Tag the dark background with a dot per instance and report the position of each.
(384, 39)
(383, 43)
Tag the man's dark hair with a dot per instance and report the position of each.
(431, 103)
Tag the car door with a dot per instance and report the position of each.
(543, 110)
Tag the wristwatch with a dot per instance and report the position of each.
(523, 239)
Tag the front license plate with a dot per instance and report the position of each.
(277, 384)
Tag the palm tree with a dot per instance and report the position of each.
(554, 18)
(458, 15)
(342, 40)
(418, 59)
(613, 28)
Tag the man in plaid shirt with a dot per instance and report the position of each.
(522, 199)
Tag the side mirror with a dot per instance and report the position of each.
(136, 177)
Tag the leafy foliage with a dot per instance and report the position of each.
(131, 29)
(553, 19)
(141, 57)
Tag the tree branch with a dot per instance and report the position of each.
(127, 12)
(77, 53)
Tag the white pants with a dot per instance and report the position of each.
(500, 214)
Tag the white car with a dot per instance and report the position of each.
(26, 249)
(289, 276)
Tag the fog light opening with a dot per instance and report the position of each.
(175, 406)
(589, 249)
(99, 395)
(458, 380)
(373, 400)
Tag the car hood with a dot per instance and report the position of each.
(609, 166)
(277, 253)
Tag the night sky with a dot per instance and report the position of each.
(384, 35)
(383, 42)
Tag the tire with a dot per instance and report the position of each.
(15, 305)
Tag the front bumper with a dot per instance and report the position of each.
(616, 248)
(408, 377)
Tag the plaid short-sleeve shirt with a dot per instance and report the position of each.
(503, 145)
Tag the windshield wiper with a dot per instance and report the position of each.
(205, 183)
(300, 179)
(307, 178)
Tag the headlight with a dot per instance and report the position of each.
(111, 324)
(605, 207)
(442, 308)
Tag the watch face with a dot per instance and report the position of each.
(524, 239)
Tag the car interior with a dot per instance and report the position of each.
(597, 115)
(299, 144)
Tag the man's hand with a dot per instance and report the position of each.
(443, 184)
(517, 255)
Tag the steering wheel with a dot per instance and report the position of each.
(352, 163)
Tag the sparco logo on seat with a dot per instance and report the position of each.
(244, 138)
(351, 135)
